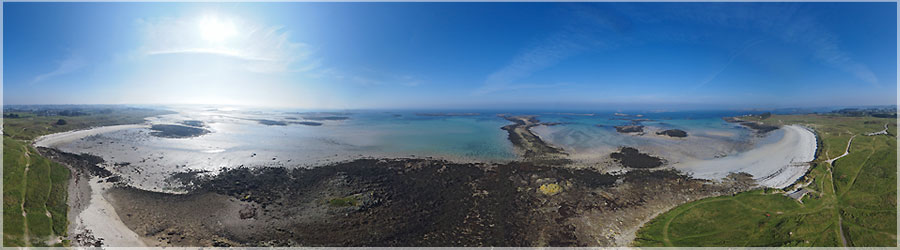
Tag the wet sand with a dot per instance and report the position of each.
(92, 219)
(776, 165)
(413, 202)
(100, 219)
(53, 140)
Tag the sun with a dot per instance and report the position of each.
(215, 30)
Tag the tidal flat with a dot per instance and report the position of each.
(465, 179)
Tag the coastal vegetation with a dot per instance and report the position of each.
(34, 197)
(850, 201)
(35, 210)
(347, 201)
(31, 124)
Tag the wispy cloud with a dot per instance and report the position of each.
(548, 53)
(725, 66)
(826, 47)
(612, 25)
(579, 35)
(788, 22)
(266, 49)
(368, 77)
(69, 65)
(519, 86)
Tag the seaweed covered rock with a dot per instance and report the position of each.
(176, 131)
(630, 129)
(673, 133)
(632, 158)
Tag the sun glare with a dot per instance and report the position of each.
(213, 29)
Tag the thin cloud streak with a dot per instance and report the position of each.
(71, 64)
(724, 67)
(609, 27)
(212, 51)
(580, 35)
(265, 49)
(786, 21)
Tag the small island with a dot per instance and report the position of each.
(630, 129)
(673, 133)
(632, 158)
(176, 131)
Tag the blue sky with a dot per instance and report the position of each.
(451, 55)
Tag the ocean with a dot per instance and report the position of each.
(238, 138)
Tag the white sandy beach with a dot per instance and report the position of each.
(776, 165)
(101, 219)
(56, 139)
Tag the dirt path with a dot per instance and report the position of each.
(855, 175)
(25, 185)
(834, 192)
(846, 152)
(831, 161)
(882, 132)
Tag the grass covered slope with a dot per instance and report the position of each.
(35, 188)
(34, 197)
(851, 203)
(13, 192)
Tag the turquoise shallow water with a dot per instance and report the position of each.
(237, 139)
(475, 136)
(472, 137)
(593, 135)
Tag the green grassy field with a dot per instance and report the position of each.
(29, 126)
(853, 202)
(37, 185)
(34, 187)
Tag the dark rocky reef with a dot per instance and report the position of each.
(630, 129)
(176, 131)
(283, 123)
(326, 118)
(194, 123)
(81, 164)
(447, 114)
(406, 202)
(307, 123)
(632, 158)
(271, 122)
(758, 127)
(532, 147)
(673, 133)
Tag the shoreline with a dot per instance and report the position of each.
(101, 212)
(99, 222)
(92, 219)
(775, 165)
(531, 147)
(412, 202)
(51, 140)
